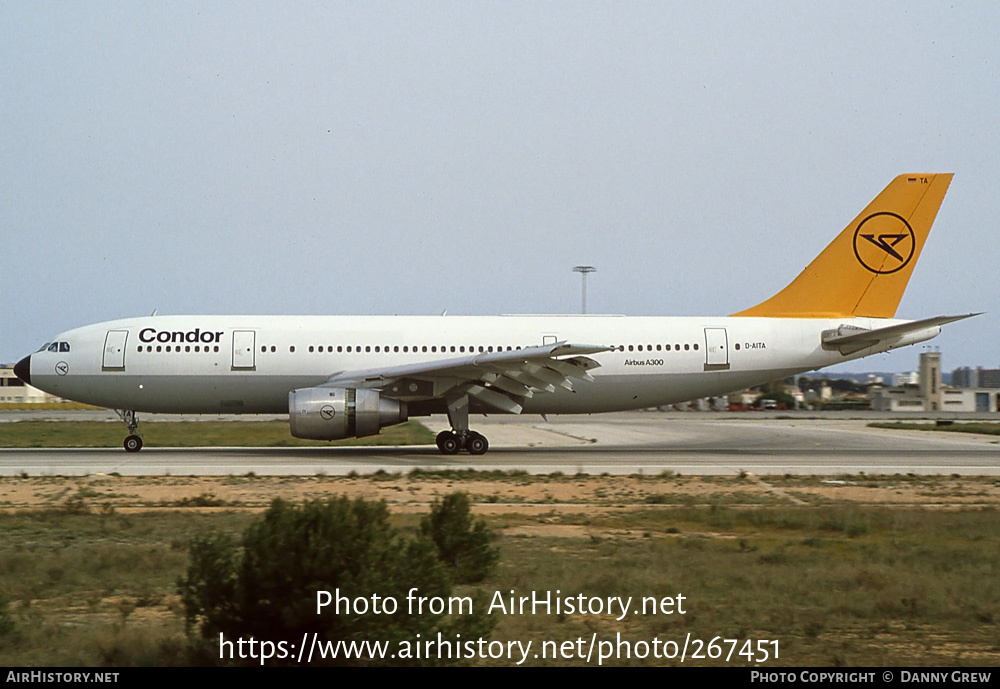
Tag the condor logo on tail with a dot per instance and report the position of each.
(888, 242)
(884, 239)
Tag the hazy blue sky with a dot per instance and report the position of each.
(378, 158)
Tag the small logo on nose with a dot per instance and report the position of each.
(62, 368)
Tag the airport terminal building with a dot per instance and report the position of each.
(14, 391)
(930, 395)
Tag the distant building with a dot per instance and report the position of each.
(911, 378)
(14, 391)
(978, 377)
(929, 395)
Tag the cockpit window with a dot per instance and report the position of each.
(64, 346)
(54, 347)
(44, 347)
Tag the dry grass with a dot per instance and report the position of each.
(865, 571)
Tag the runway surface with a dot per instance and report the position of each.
(626, 443)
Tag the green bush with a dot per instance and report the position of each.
(266, 588)
(462, 545)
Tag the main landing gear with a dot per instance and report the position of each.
(452, 442)
(133, 443)
(460, 437)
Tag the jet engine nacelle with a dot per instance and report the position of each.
(334, 413)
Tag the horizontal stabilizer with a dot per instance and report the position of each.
(849, 339)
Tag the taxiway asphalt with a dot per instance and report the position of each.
(625, 443)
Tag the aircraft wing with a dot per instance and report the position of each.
(502, 380)
(849, 339)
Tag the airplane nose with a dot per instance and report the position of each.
(22, 369)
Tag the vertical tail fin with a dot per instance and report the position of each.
(864, 271)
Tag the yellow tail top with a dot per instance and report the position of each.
(864, 271)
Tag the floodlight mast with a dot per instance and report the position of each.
(583, 270)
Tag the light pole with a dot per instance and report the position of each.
(583, 270)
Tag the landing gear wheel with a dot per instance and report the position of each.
(476, 444)
(448, 443)
(441, 437)
(133, 443)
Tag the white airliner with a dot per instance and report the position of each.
(349, 376)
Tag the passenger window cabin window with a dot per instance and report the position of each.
(696, 348)
(291, 349)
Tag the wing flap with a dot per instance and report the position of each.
(495, 399)
(501, 380)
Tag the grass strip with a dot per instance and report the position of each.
(985, 428)
(55, 434)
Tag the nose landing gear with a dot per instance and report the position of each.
(133, 443)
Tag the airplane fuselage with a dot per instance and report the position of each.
(248, 364)
(350, 376)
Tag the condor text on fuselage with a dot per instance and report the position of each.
(178, 336)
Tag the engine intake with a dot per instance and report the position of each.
(334, 413)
